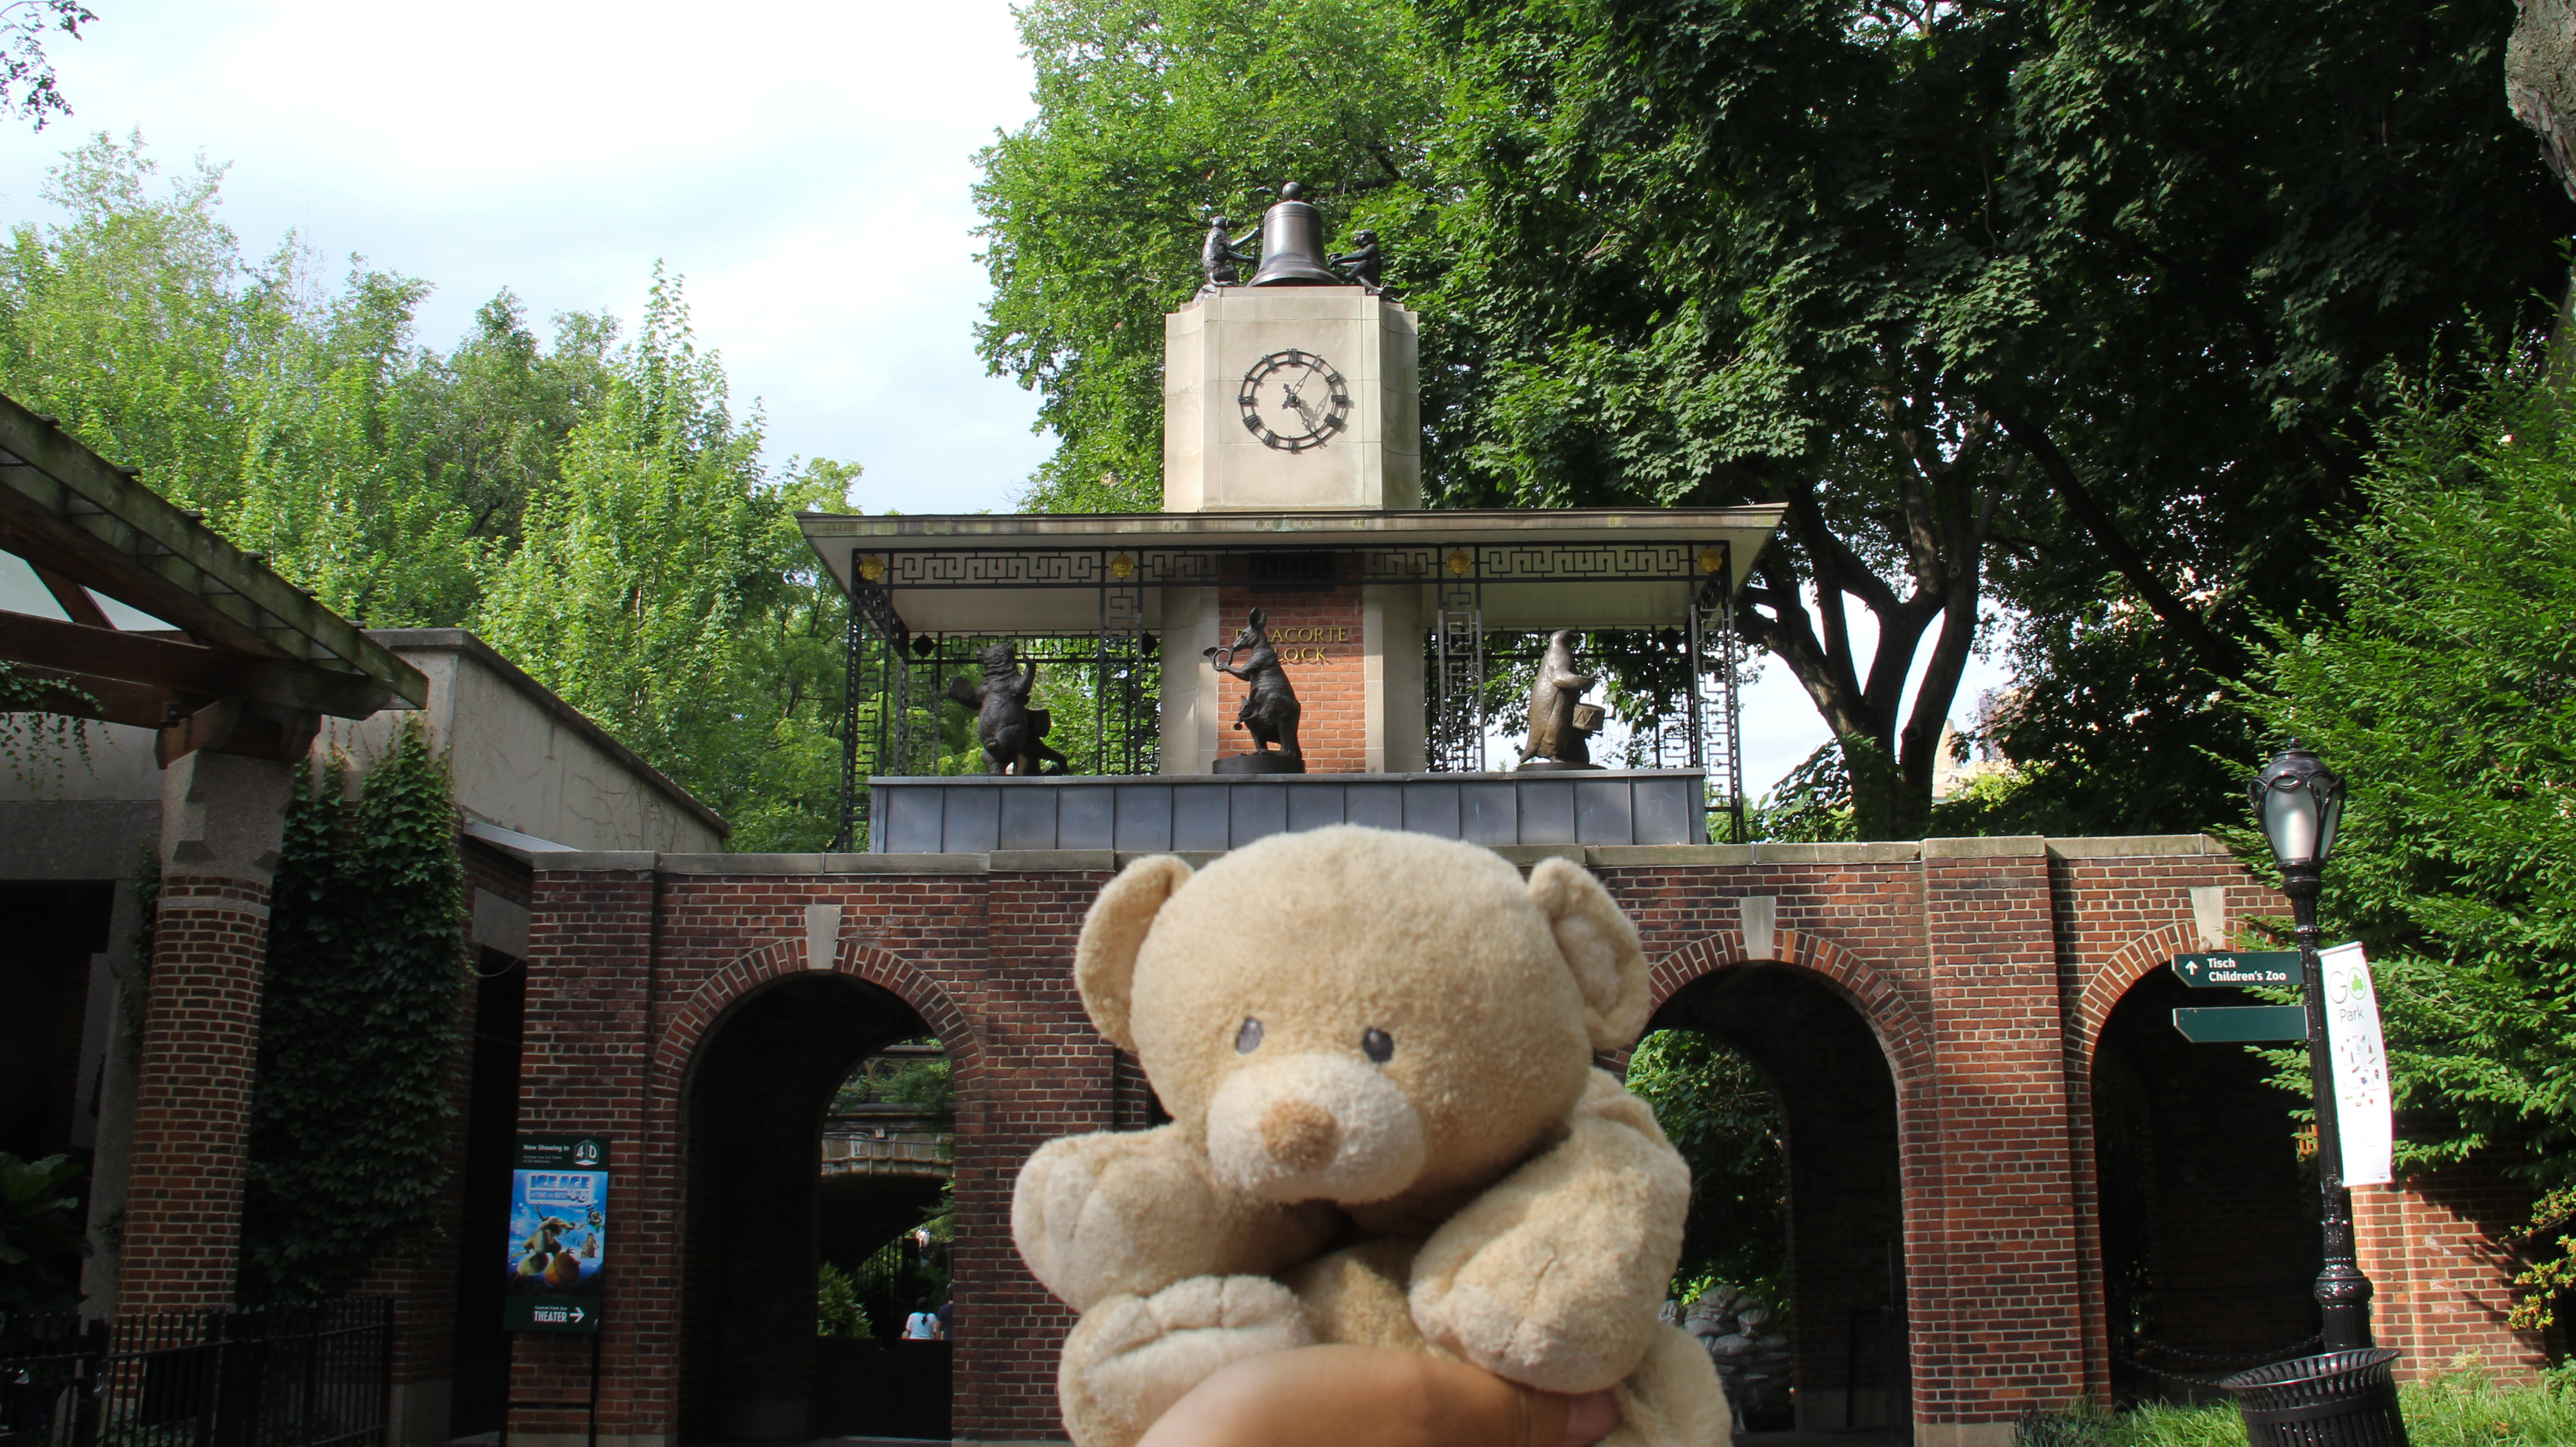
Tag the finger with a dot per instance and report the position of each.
(1356, 1396)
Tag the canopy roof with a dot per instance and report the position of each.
(1040, 573)
(252, 657)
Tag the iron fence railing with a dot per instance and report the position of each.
(319, 1375)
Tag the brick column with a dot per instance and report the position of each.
(221, 819)
(1994, 1298)
(584, 1060)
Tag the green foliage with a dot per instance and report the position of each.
(2547, 1244)
(1151, 115)
(1719, 1112)
(2463, 1407)
(41, 1244)
(37, 740)
(26, 72)
(2446, 697)
(2061, 306)
(360, 1024)
(837, 1311)
(923, 1082)
(660, 585)
(594, 509)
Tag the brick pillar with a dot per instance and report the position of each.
(1994, 1298)
(221, 819)
(1045, 1072)
(584, 1061)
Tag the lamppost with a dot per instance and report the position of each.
(2300, 801)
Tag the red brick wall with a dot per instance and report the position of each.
(192, 1103)
(1984, 978)
(1331, 690)
(2433, 1248)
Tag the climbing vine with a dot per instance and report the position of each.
(36, 737)
(360, 1026)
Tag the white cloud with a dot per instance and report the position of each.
(806, 166)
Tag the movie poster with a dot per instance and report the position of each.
(558, 1234)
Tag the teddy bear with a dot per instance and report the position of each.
(1386, 1128)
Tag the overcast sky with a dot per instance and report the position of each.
(805, 166)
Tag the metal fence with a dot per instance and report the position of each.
(278, 1376)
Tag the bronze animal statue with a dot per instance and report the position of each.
(1554, 693)
(1365, 263)
(1012, 733)
(1270, 708)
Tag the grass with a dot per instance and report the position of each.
(2463, 1407)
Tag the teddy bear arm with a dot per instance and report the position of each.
(1552, 1277)
(1131, 1212)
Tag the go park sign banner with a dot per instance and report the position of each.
(558, 1234)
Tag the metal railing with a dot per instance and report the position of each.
(278, 1376)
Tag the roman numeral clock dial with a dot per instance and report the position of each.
(1294, 400)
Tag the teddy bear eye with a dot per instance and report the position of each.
(1377, 1045)
(1247, 1039)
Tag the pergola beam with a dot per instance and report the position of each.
(68, 510)
(187, 667)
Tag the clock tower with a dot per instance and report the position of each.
(1291, 399)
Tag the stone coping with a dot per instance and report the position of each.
(1599, 856)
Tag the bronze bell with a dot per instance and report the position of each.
(1292, 244)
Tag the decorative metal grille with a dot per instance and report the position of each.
(893, 722)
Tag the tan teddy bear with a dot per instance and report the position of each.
(1386, 1128)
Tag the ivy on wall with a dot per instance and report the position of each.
(360, 1027)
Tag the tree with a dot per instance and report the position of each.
(660, 586)
(1719, 1112)
(1151, 116)
(2072, 307)
(407, 487)
(2446, 697)
(26, 72)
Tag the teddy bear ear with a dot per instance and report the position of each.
(1104, 959)
(1600, 947)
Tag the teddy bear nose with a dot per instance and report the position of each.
(1300, 1135)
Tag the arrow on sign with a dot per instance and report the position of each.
(2243, 1024)
(2230, 968)
(576, 1316)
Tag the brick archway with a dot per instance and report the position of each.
(2108, 982)
(783, 959)
(743, 1067)
(1891, 1014)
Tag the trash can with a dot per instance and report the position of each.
(2335, 1399)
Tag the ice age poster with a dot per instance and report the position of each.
(558, 1233)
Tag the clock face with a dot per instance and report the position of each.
(1294, 400)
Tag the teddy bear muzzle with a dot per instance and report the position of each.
(1314, 1128)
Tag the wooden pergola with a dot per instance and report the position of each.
(251, 662)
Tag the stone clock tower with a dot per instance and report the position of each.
(1295, 393)
(1291, 399)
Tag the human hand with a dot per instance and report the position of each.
(1358, 1396)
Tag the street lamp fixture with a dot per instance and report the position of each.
(2300, 803)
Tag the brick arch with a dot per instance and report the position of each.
(1903, 1034)
(748, 974)
(2108, 981)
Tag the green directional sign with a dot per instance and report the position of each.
(2232, 968)
(2243, 1024)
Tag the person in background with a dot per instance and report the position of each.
(947, 1311)
(923, 1324)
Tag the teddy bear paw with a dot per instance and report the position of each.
(1501, 1334)
(1140, 1354)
